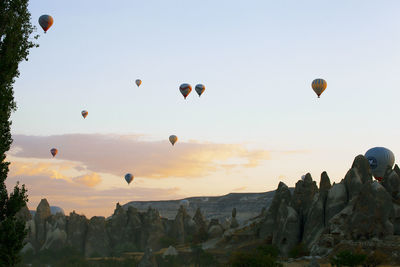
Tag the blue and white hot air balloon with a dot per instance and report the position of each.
(380, 158)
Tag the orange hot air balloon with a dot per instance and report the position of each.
(319, 86)
(45, 22)
(173, 139)
(185, 89)
(84, 113)
(54, 151)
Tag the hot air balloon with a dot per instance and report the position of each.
(184, 202)
(54, 151)
(128, 178)
(45, 22)
(319, 86)
(84, 113)
(200, 89)
(138, 82)
(173, 139)
(380, 158)
(185, 89)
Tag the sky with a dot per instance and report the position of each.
(257, 123)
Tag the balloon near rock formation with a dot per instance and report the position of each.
(173, 139)
(45, 22)
(380, 159)
(319, 86)
(128, 178)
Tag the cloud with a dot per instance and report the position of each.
(90, 180)
(52, 170)
(240, 188)
(83, 199)
(118, 154)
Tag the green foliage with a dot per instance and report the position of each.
(67, 256)
(15, 31)
(375, 258)
(122, 248)
(347, 258)
(170, 261)
(200, 236)
(167, 241)
(299, 250)
(201, 257)
(270, 250)
(253, 259)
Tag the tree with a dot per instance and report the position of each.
(15, 42)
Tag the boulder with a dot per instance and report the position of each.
(336, 200)
(268, 223)
(287, 229)
(97, 241)
(76, 229)
(41, 216)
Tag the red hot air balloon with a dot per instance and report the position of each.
(45, 22)
(185, 89)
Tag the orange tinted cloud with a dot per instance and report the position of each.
(117, 155)
(90, 180)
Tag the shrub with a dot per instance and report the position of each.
(299, 250)
(271, 250)
(252, 259)
(347, 258)
(167, 241)
(375, 258)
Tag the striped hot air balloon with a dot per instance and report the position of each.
(319, 86)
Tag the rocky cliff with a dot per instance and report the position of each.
(358, 210)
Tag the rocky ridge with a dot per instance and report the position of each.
(358, 210)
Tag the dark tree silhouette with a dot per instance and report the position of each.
(15, 42)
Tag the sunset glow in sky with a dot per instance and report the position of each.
(257, 123)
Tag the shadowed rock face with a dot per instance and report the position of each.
(356, 209)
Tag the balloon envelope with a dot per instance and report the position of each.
(45, 22)
(184, 202)
(173, 139)
(319, 86)
(380, 158)
(54, 151)
(200, 89)
(138, 82)
(185, 89)
(84, 113)
(128, 178)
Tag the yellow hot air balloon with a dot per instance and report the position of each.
(173, 139)
(138, 82)
(45, 22)
(319, 86)
(84, 113)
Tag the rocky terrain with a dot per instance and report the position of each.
(248, 205)
(357, 212)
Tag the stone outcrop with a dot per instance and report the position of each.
(357, 209)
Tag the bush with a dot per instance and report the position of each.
(252, 259)
(119, 249)
(167, 241)
(271, 250)
(375, 258)
(201, 257)
(299, 250)
(347, 258)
